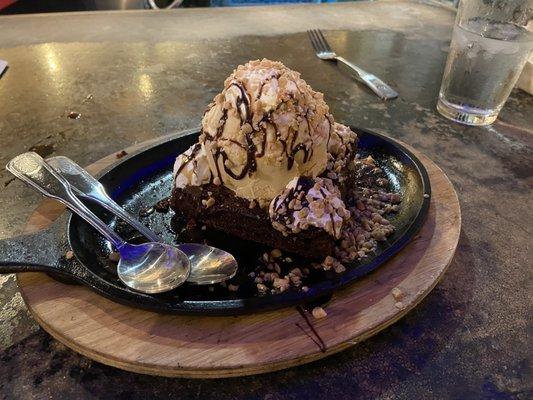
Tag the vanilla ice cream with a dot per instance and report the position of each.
(191, 168)
(265, 128)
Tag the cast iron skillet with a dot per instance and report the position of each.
(140, 180)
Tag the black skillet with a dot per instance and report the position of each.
(140, 180)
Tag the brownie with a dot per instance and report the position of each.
(218, 208)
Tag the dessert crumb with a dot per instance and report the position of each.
(397, 293)
(331, 262)
(69, 254)
(261, 288)
(253, 204)
(121, 154)
(74, 115)
(162, 206)
(276, 253)
(191, 224)
(281, 284)
(277, 268)
(319, 313)
(327, 263)
(399, 305)
(114, 256)
(233, 288)
(339, 268)
(210, 202)
(216, 181)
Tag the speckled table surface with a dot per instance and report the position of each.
(138, 75)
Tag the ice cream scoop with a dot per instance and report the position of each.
(266, 127)
(306, 203)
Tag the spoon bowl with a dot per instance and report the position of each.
(209, 264)
(152, 267)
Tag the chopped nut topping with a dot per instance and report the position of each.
(208, 202)
(233, 288)
(399, 305)
(319, 313)
(318, 204)
(397, 293)
(261, 288)
(281, 284)
(339, 268)
(329, 261)
(276, 253)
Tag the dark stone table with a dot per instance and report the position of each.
(137, 75)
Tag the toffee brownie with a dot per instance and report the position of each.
(270, 166)
(218, 208)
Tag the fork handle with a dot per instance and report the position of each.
(379, 87)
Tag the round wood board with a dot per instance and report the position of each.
(214, 347)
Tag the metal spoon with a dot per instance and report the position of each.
(149, 267)
(208, 264)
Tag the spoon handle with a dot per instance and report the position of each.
(33, 170)
(85, 185)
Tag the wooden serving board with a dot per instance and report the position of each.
(213, 347)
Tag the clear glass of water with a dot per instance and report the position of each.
(491, 42)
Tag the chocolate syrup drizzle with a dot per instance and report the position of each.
(318, 341)
(252, 152)
(190, 157)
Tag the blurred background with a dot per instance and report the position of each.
(36, 6)
(41, 6)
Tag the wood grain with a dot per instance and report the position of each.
(213, 347)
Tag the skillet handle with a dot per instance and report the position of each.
(25, 253)
(43, 251)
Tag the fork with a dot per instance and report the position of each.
(324, 52)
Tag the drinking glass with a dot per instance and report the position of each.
(491, 42)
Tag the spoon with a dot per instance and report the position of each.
(209, 264)
(148, 267)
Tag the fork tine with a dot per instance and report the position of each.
(311, 39)
(323, 40)
(320, 43)
(314, 41)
